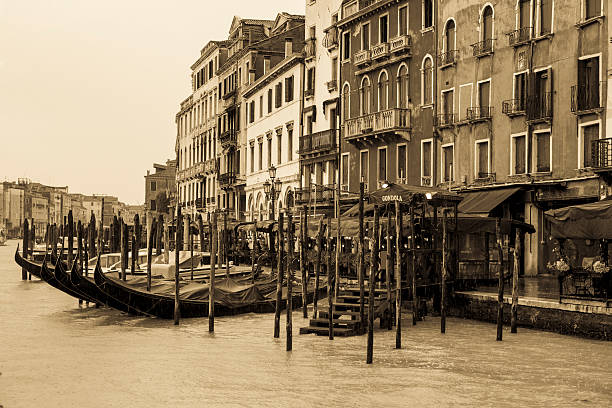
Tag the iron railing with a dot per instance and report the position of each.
(540, 107)
(480, 113)
(519, 36)
(601, 153)
(228, 137)
(483, 48)
(319, 141)
(227, 179)
(444, 119)
(448, 58)
(310, 48)
(332, 85)
(512, 107)
(387, 120)
(588, 97)
(316, 193)
(330, 40)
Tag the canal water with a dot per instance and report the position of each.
(55, 354)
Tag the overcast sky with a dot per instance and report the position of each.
(89, 89)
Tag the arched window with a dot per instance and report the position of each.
(346, 102)
(383, 91)
(289, 198)
(487, 24)
(365, 96)
(402, 87)
(427, 80)
(449, 36)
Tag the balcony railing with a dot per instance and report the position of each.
(482, 48)
(400, 44)
(380, 51)
(330, 40)
(540, 107)
(310, 48)
(228, 137)
(210, 166)
(486, 177)
(378, 122)
(601, 151)
(227, 179)
(448, 58)
(513, 107)
(309, 92)
(332, 85)
(520, 36)
(587, 98)
(444, 120)
(366, 3)
(316, 142)
(316, 193)
(199, 203)
(479, 113)
(362, 58)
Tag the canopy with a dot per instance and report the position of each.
(483, 202)
(585, 221)
(407, 193)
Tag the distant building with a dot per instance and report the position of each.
(160, 187)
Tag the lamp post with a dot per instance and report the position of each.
(272, 187)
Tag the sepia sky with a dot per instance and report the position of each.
(89, 89)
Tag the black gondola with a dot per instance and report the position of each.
(32, 267)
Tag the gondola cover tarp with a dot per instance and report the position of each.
(586, 221)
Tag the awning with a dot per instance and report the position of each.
(483, 202)
(586, 221)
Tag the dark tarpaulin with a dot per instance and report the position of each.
(483, 202)
(585, 221)
(406, 193)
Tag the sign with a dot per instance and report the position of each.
(392, 198)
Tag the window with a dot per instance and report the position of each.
(427, 20)
(426, 162)
(545, 16)
(252, 157)
(269, 151)
(383, 29)
(449, 36)
(346, 102)
(261, 106)
(587, 93)
(269, 100)
(365, 36)
(309, 124)
(518, 151)
(153, 205)
(524, 17)
(448, 108)
(484, 96)
(402, 20)
(482, 158)
(334, 69)
(592, 8)
(279, 95)
(543, 156)
(364, 167)
(427, 81)
(279, 146)
(383, 91)
(346, 46)
(364, 96)
(588, 134)
(260, 154)
(153, 186)
(312, 31)
(289, 89)
(402, 159)
(402, 87)
(310, 80)
(289, 144)
(465, 100)
(344, 178)
(448, 168)
(520, 91)
(382, 163)
(251, 111)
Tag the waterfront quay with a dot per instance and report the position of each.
(57, 354)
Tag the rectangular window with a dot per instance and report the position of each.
(251, 111)
(261, 106)
(448, 108)
(525, 14)
(402, 20)
(587, 92)
(334, 69)
(592, 8)
(520, 91)
(269, 100)
(382, 164)
(289, 144)
(269, 152)
(482, 159)
(365, 36)
(426, 158)
(383, 29)
(344, 178)
(153, 205)
(289, 89)
(401, 163)
(448, 168)
(542, 141)
(545, 16)
(260, 155)
(519, 154)
(309, 125)
(153, 186)
(310, 80)
(279, 95)
(590, 133)
(484, 92)
(427, 13)
(279, 147)
(252, 158)
(364, 167)
(465, 100)
(346, 46)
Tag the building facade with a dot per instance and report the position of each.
(160, 187)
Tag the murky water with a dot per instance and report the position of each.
(54, 354)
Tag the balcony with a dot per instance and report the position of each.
(318, 142)
(444, 120)
(330, 40)
(323, 194)
(362, 58)
(199, 204)
(483, 177)
(514, 107)
(227, 179)
(332, 85)
(366, 3)
(426, 181)
(309, 93)
(210, 166)
(380, 51)
(403, 43)
(229, 94)
(540, 107)
(601, 151)
(518, 37)
(310, 48)
(483, 48)
(448, 58)
(389, 120)
(588, 98)
(480, 113)
(228, 138)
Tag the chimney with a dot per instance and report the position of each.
(288, 47)
(266, 64)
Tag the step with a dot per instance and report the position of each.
(357, 298)
(343, 305)
(321, 322)
(324, 331)
(338, 313)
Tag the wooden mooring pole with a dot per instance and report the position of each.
(151, 242)
(413, 253)
(290, 229)
(124, 249)
(225, 245)
(213, 261)
(500, 286)
(443, 275)
(330, 284)
(389, 270)
(398, 275)
(24, 250)
(515, 281)
(70, 239)
(361, 273)
(190, 246)
(303, 261)
(315, 300)
(279, 281)
(177, 238)
(372, 287)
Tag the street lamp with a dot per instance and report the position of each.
(272, 187)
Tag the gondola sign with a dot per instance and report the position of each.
(392, 197)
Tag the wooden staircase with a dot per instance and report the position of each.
(346, 313)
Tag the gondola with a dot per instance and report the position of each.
(33, 268)
(63, 278)
(48, 275)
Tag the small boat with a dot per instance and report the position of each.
(33, 268)
(51, 277)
